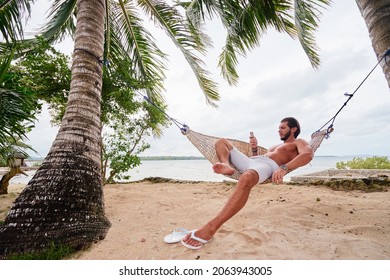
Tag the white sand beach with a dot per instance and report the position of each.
(279, 222)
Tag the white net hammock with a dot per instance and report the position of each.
(205, 144)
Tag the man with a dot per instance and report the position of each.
(275, 164)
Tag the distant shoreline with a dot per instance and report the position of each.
(172, 158)
(150, 158)
(33, 159)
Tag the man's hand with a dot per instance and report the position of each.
(277, 176)
(253, 142)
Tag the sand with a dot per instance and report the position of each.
(279, 222)
(6, 200)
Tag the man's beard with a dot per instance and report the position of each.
(285, 137)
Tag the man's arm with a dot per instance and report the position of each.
(305, 155)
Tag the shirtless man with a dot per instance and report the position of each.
(275, 164)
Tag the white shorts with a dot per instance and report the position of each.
(263, 165)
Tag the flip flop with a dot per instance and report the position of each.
(197, 239)
(176, 235)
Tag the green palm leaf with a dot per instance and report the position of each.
(187, 38)
(61, 21)
(15, 118)
(131, 44)
(306, 21)
(247, 21)
(11, 13)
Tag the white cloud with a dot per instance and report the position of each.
(276, 80)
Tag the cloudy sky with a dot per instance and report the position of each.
(277, 80)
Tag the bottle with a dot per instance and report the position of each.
(253, 142)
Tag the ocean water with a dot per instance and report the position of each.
(200, 170)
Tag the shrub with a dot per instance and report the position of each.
(365, 163)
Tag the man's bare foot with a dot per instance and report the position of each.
(223, 168)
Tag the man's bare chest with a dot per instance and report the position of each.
(287, 148)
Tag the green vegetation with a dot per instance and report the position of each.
(17, 111)
(365, 163)
(54, 252)
(127, 119)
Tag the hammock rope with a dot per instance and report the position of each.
(205, 143)
(176, 122)
(384, 56)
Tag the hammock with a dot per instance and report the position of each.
(205, 144)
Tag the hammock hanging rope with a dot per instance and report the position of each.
(384, 57)
(205, 143)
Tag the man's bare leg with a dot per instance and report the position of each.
(223, 148)
(235, 203)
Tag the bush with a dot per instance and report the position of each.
(365, 163)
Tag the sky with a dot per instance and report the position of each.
(276, 81)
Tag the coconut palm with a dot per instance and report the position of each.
(376, 14)
(63, 203)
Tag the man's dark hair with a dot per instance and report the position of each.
(292, 122)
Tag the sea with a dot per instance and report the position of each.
(201, 169)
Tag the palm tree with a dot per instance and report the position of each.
(63, 203)
(376, 14)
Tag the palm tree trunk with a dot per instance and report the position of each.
(376, 14)
(63, 203)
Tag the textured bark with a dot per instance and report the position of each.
(63, 203)
(4, 182)
(376, 14)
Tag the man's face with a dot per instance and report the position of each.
(284, 131)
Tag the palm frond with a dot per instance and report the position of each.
(15, 109)
(5, 62)
(247, 21)
(228, 61)
(15, 116)
(307, 14)
(198, 10)
(188, 38)
(132, 45)
(11, 15)
(61, 22)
